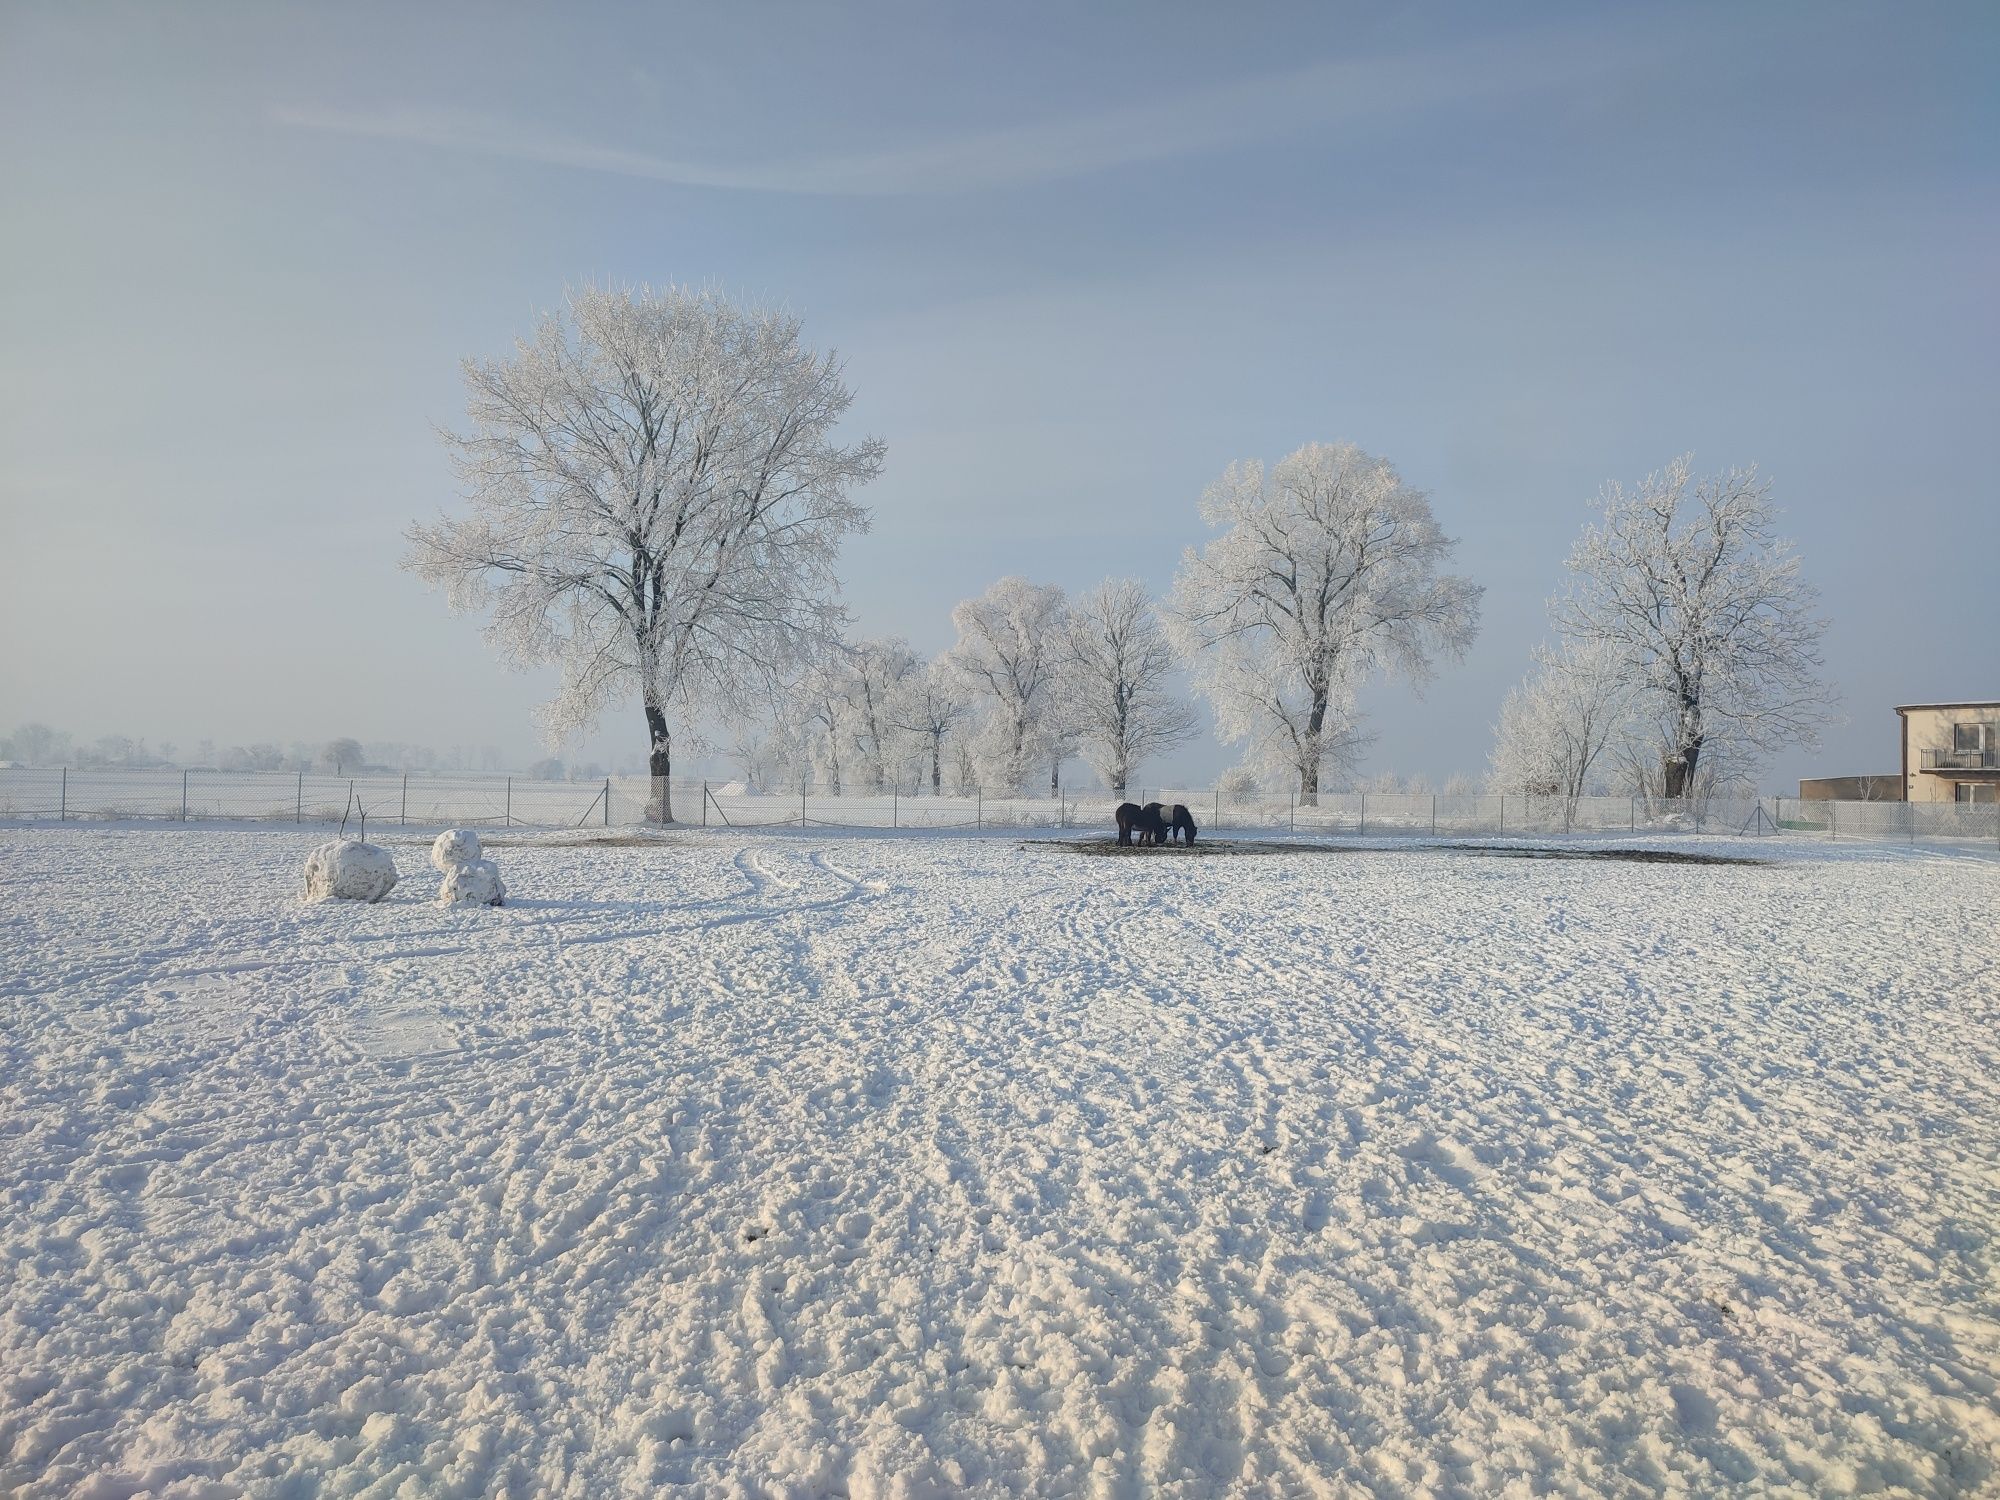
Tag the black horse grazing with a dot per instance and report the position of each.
(1182, 823)
(1148, 822)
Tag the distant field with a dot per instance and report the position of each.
(880, 1165)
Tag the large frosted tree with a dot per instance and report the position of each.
(1117, 671)
(655, 500)
(1327, 570)
(1009, 653)
(1706, 609)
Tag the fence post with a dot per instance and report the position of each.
(704, 802)
(510, 802)
(1434, 814)
(802, 801)
(1364, 814)
(1503, 812)
(1832, 819)
(62, 813)
(299, 807)
(1294, 798)
(895, 807)
(403, 817)
(184, 796)
(1632, 814)
(979, 807)
(607, 802)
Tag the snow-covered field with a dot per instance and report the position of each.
(845, 1165)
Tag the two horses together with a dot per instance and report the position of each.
(1153, 823)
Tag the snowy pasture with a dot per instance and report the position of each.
(808, 1164)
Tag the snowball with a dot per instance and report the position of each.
(455, 846)
(347, 870)
(474, 883)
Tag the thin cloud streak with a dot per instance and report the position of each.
(1214, 118)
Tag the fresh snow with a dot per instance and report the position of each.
(809, 1164)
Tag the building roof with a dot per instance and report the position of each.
(1904, 708)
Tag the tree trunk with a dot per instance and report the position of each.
(1677, 772)
(937, 765)
(659, 765)
(1309, 784)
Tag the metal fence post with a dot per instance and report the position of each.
(510, 802)
(895, 807)
(1294, 798)
(1434, 814)
(979, 807)
(184, 796)
(1364, 814)
(62, 814)
(1632, 814)
(607, 802)
(704, 802)
(404, 815)
(299, 807)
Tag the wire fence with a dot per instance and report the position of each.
(622, 801)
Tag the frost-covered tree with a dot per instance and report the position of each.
(1686, 581)
(39, 745)
(934, 705)
(337, 757)
(1556, 727)
(656, 502)
(1117, 666)
(1327, 570)
(874, 678)
(1009, 652)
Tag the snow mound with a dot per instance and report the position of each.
(737, 789)
(347, 870)
(453, 847)
(474, 883)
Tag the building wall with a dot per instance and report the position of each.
(1931, 729)
(1887, 788)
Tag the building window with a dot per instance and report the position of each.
(1975, 791)
(1972, 738)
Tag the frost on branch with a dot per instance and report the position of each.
(347, 870)
(654, 503)
(1325, 572)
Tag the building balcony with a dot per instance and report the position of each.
(1960, 760)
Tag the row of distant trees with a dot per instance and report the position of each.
(40, 745)
(655, 502)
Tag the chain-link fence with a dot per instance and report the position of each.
(503, 802)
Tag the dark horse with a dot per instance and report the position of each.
(1182, 823)
(1149, 822)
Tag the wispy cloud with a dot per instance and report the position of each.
(1313, 98)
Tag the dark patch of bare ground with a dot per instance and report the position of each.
(1237, 848)
(561, 841)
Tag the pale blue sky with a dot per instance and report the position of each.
(1077, 262)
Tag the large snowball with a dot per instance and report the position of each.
(454, 847)
(474, 883)
(349, 871)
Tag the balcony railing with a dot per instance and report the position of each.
(1961, 760)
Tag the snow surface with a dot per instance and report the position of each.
(348, 870)
(807, 1164)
